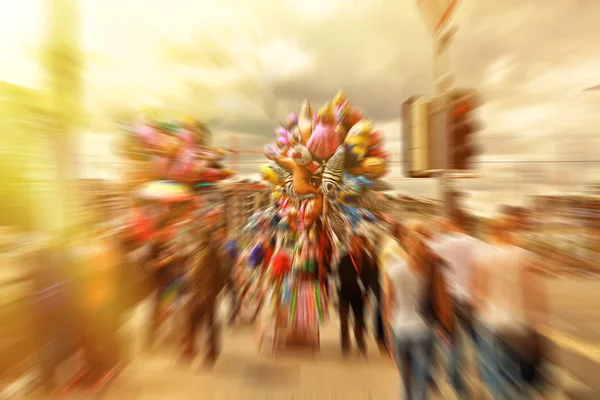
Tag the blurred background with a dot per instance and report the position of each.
(72, 71)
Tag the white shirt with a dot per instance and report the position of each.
(457, 249)
(407, 288)
(504, 308)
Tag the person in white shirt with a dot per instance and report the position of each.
(509, 302)
(457, 248)
(415, 300)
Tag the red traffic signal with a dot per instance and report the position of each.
(462, 124)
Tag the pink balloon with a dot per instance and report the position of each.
(324, 141)
(291, 120)
(148, 135)
(183, 166)
(187, 136)
(162, 165)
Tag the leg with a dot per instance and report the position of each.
(421, 364)
(402, 356)
(514, 385)
(358, 309)
(456, 360)
(344, 308)
(234, 300)
(489, 363)
(213, 345)
(153, 323)
(379, 328)
(194, 317)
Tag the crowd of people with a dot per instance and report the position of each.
(440, 283)
(432, 283)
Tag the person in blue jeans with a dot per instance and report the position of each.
(415, 304)
(457, 248)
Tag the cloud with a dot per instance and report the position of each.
(284, 60)
(247, 64)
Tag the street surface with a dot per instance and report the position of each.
(242, 373)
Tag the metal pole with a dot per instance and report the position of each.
(443, 82)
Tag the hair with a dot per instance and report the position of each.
(398, 230)
(424, 231)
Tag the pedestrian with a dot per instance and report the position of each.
(416, 304)
(375, 286)
(510, 302)
(232, 254)
(457, 248)
(163, 266)
(210, 276)
(354, 281)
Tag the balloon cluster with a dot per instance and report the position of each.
(173, 150)
(325, 162)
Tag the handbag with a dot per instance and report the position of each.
(526, 344)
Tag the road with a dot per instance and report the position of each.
(242, 373)
(574, 330)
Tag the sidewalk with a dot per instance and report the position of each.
(241, 373)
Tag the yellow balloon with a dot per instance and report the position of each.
(373, 166)
(357, 142)
(326, 113)
(340, 98)
(276, 194)
(267, 174)
(228, 171)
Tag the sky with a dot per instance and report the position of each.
(243, 65)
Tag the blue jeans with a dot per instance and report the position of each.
(464, 333)
(413, 354)
(500, 368)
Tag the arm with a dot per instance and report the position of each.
(387, 301)
(442, 302)
(478, 286)
(534, 295)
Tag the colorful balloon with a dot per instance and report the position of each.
(305, 121)
(301, 155)
(291, 121)
(349, 116)
(325, 139)
(313, 210)
(376, 139)
(270, 176)
(372, 166)
(356, 143)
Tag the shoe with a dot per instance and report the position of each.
(187, 356)
(345, 351)
(383, 349)
(363, 352)
(209, 362)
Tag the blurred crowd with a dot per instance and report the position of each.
(428, 286)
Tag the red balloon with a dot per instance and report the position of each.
(376, 139)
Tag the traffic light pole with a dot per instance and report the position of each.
(443, 83)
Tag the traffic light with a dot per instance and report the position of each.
(462, 124)
(417, 138)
